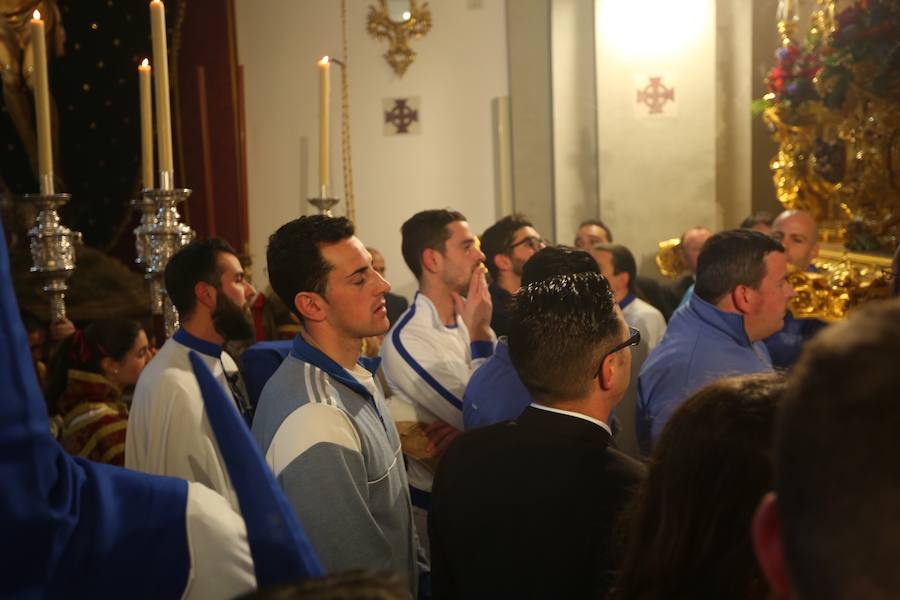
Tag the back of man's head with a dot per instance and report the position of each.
(557, 260)
(195, 263)
(732, 258)
(426, 229)
(498, 238)
(622, 261)
(559, 329)
(836, 478)
(294, 255)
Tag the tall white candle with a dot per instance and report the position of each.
(161, 80)
(42, 103)
(146, 125)
(324, 116)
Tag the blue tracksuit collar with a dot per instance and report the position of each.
(731, 324)
(194, 343)
(626, 301)
(301, 350)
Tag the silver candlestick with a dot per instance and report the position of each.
(166, 236)
(52, 248)
(142, 232)
(324, 204)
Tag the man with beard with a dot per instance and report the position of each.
(507, 245)
(322, 421)
(168, 431)
(432, 351)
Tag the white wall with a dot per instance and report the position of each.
(574, 116)
(657, 176)
(461, 65)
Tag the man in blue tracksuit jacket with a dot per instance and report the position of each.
(740, 298)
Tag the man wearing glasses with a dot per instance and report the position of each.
(539, 494)
(507, 245)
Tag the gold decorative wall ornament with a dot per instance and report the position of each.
(415, 22)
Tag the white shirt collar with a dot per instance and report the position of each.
(574, 414)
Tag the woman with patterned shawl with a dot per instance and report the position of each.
(84, 387)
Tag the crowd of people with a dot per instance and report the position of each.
(537, 421)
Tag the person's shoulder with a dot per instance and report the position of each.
(474, 444)
(169, 375)
(624, 468)
(296, 381)
(647, 310)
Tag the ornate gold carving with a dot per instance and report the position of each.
(842, 280)
(398, 33)
(669, 258)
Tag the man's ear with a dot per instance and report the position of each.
(814, 252)
(740, 297)
(607, 372)
(431, 260)
(502, 262)
(205, 294)
(310, 305)
(769, 547)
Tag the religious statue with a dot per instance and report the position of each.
(17, 69)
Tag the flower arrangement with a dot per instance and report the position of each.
(866, 33)
(791, 80)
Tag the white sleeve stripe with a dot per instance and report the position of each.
(323, 390)
(389, 469)
(307, 426)
(307, 376)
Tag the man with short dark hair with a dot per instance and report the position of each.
(740, 299)
(322, 421)
(617, 264)
(168, 432)
(525, 509)
(496, 393)
(831, 528)
(507, 245)
(430, 353)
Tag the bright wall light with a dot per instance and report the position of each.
(650, 29)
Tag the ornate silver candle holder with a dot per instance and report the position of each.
(148, 209)
(52, 249)
(324, 204)
(165, 236)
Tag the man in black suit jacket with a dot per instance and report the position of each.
(525, 508)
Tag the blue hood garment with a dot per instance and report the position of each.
(75, 528)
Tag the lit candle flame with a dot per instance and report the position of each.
(145, 63)
(36, 15)
(325, 60)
